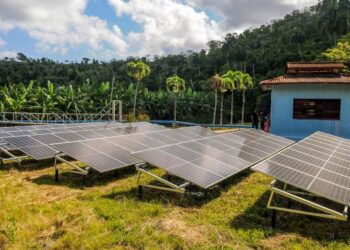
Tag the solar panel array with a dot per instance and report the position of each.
(207, 159)
(37, 144)
(319, 164)
(105, 154)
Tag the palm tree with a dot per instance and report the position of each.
(175, 85)
(231, 79)
(333, 18)
(245, 83)
(215, 83)
(137, 70)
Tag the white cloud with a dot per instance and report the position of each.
(8, 53)
(168, 26)
(60, 25)
(239, 15)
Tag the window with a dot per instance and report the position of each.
(323, 109)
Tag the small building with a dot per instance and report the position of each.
(310, 97)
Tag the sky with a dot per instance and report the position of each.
(108, 29)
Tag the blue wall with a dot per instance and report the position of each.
(282, 122)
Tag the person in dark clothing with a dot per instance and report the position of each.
(262, 120)
(255, 119)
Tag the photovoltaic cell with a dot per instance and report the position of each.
(318, 164)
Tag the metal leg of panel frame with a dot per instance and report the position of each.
(11, 157)
(325, 212)
(168, 186)
(1, 161)
(56, 170)
(77, 169)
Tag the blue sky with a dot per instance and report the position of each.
(107, 29)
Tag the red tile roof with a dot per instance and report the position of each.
(308, 79)
(314, 67)
(310, 73)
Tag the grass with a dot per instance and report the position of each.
(105, 213)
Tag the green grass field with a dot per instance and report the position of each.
(105, 213)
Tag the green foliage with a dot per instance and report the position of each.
(260, 52)
(341, 52)
(138, 70)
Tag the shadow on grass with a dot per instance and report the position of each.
(319, 229)
(194, 196)
(77, 181)
(27, 165)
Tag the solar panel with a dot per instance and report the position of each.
(112, 150)
(95, 159)
(22, 141)
(48, 139)
(40, 152)
(319, 164)
(41, 131)
(70, 136)
(19, 133)
(205, 159)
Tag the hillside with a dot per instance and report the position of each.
(262, 52)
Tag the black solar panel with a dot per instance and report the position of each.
(22, 141)
(70, 136)
(40, 152)
(20, 133)
(207, 160)
(126, 143)
(41, 131)
(48, 139)
(319, 164)
(95, 159)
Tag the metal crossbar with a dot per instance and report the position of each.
(40, 118)
(77, 169)
(324, 212)
(169, 186)
(11, 157)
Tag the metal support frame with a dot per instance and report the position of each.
(11, 157)
(78, 170)
(325, 212)
(168, 186)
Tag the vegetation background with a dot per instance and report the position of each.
(44, 85)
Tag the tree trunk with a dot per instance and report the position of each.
(243, 105)
(112, 88)
(221, 107)
(135, 99)
(215, 105)
(231, 113)
(334, 39)
(175, 107)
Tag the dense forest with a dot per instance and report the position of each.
(261, 52)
